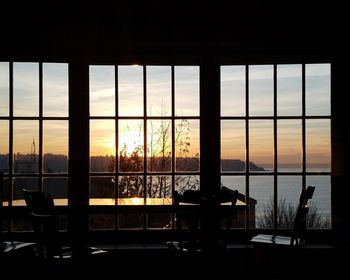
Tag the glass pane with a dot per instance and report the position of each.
(233, 145)
(25, 89)
(289, 90)
(261, 204)
(20, 183)
(187, 145)
(25, 146)
(233, 90)
(102, 190)
(236, 183)
(4, 146)
(55, 146)
(131, 192)
(102, 145)
(130, 149)
(5, 192)
(130, 90)
(261, 145)
(289, 188)
(158, 190)
(318, 89)
(58, 187)
(261, 90)
(102, 91)
(55, 89)
(187, 90)
(320, 215)
(186, 182)
(4, 88)
(159, 145)
(158, 90)
(318, 145)
(289, 141)
(159, 220)
(102, 221)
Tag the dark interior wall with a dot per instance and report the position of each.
(137, 30)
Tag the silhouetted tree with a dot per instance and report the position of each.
(286, 213)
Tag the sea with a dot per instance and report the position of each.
(288, 187)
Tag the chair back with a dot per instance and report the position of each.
(45, 222)
(300, 221)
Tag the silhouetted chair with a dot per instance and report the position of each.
(46, 227)
(296, 235)
(10, 247)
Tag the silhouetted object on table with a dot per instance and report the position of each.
(296, 236)
(46, 228)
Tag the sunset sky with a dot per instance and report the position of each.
(158, 89)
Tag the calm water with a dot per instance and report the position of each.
(261, 189)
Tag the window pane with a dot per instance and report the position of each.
(129, 188)
(130, 149)
(20, 183)
(261, 145)
(289, 141)
(102, 190)
(289, 188)
(233, 90)
(159, 150)
(102, 221)
(55, 89)
(186, 182)
(233, 145)
(131, 192)
(25, 89)
(318, 89)
(187, 90)
(4, 146)
(289, 90)
(102, 145)
(158, 190)
(236, 183)
(58, 187)
(261, 90)
(158, 90)
(261, 201)
(187, 145)
(318, 145)
(55, 146)
(130, 90)
(4, 88)
(102, 91)
(6, 192)
(320, 214)
(25, 146)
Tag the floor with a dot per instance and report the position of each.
(156, 261)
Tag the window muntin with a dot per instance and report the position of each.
(34, 130)
(288, 123)
(156, 130)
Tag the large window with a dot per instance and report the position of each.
(144, 140)
(275, 139)
(33, 130)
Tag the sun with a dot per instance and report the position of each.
(131, 140)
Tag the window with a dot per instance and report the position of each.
(144, 140)
(275, 138)
(33, 130)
